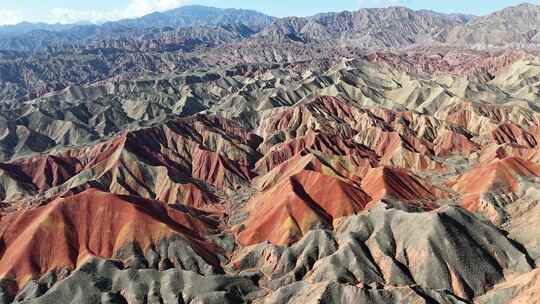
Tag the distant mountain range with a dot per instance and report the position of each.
(398, 27)
(185, 16)
(516, 26)
(38, 37)
(40, 58)
(393, 27)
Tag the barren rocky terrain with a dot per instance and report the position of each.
(224, 156)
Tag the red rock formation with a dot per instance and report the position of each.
(468, 64)
(181, 162)
(495, 151)
(215, 169)
(47, 171)
(295, 201)
(345, 167)
(313, 141)
(299, 203)
(449, 142)
(69, 230)
(385, 182)
(498, 176)
(482, 119)
(509, 133)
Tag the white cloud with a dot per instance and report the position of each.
(170, 4)
(8, 17)
(135, 8)
(66, 15)
(382, 3)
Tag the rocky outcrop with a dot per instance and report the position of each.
(105, 281)
(393, 249)
(489, 187)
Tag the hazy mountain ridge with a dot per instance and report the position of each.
(371, 28)
(25, 27)
(45, 37)
(393, 27)
(196, 15)
(516, 26)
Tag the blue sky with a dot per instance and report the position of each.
(67, 11)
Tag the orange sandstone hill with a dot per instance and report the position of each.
(487, 187)
(69, 231)
(297, 204)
